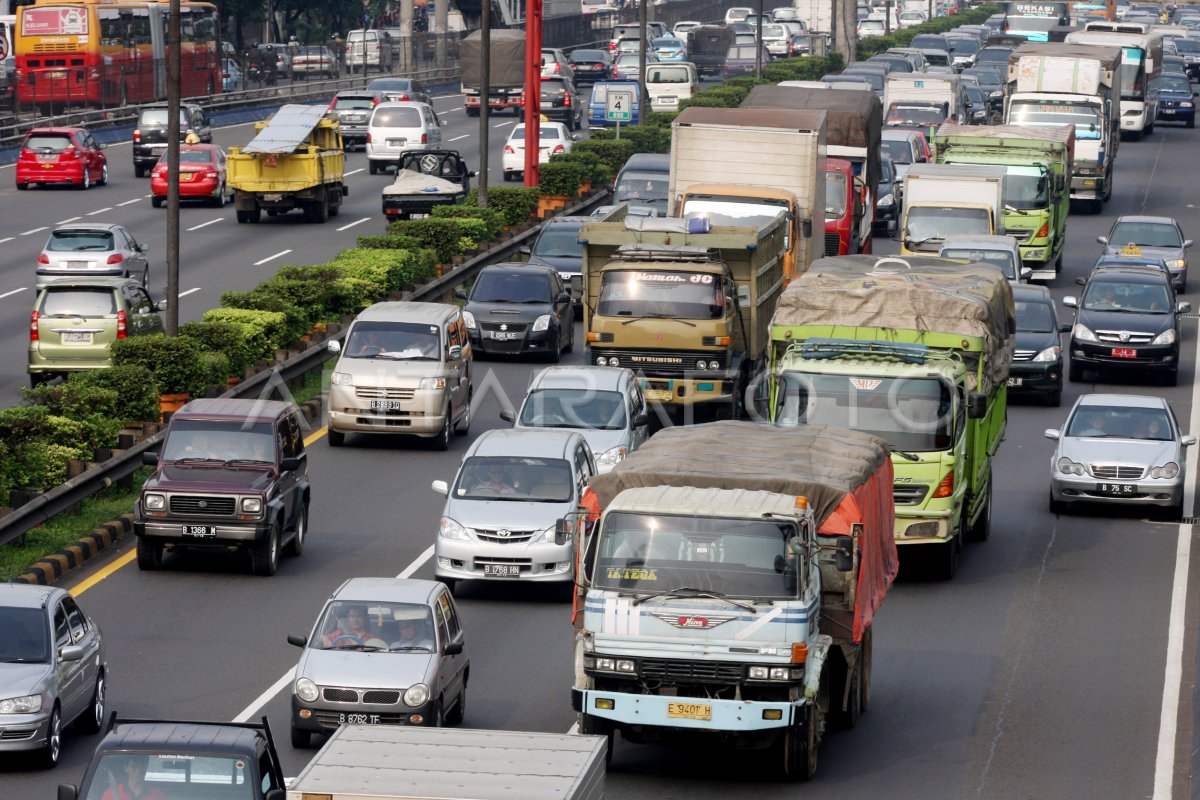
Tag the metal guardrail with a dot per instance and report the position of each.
(262, 384)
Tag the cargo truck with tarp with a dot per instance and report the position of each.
(915, 351)
(730, 586)
(506, 76)
(1056, 85)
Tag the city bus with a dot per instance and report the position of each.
(1141, 60)
(111, 52)
(1033, 20)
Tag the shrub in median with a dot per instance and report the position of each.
(135, 386)
(222, 337)
(174, 361)
(442, 236)
(82, 415)
(264, 330)
(491, 218)
(514, 204)
(24, 431)
(561, 177)
(612, 153)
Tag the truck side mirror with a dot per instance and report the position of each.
(806, 228)
(977, 403)
(844, 560)
(67, 791)
(455, 352)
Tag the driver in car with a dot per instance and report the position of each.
(356, 632)
(496, 481)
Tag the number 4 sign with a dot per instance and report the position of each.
(618, 105)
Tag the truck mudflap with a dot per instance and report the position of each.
(690, 713)
(923, 527)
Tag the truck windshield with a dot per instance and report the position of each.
(835, 195)
(1026, 188)
(680, 295)
(645, 553)
(910, 114)
(732, 212)
(925, 226)
(162, 773)
(1086, 118)
(912, 414)
(643, 188)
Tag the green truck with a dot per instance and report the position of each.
(1037, 183)
(915, 351)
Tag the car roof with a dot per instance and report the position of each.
(1027, 291)
(196, 738)
(402, 104)
(87, 226)
(395, 590)
(75, 283)
(1131, 274)
(64, 131)
(567, 222)
(582, 375)
(527, 442)
(1145, 218)
(409, 310)
(233, 408)
(519, 268)
(899, 134)
(648, 162)
(1131, 400)
(26, 595)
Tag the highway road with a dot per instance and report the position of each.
(1059, 663)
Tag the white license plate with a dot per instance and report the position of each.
(273, 197)
(502, 570)
(504, 336)
(76, 337)
(200, 530)
(397, 142)
(1117, 489)
(161, 146)
(385, 405)
(1168, 111)
(669, 101)
(359, 719)
(1015, 382)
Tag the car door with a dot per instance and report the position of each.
(138, 262)
(86, 636)
(291, 482)
(80, 139)
(458, 372)
(637, 408)
(143, 318)
(68, 675)
(431, 125)
(453, 671)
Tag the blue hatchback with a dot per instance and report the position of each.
(597, 103)
(1175, 100)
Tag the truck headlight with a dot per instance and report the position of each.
(432, 383)
(541, 323)
(1049, 354)
(251, 505)
(1166, 337)
(1083, 334)
(306, 690)
(469, 320)
(1168, 470)
(28, 704)
(612, 456)
(626, 665)
(341, 379)
(416, 695)
(759, 673)
(1068, 467)
(450, 529)
(154, 502)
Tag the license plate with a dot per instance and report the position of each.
(385, 405)
(58, 73)
(1124, 352)
(273, 197)
(504, 336)
(76, 337)
(187, 176)
(671, 101)
(359, 719)
(701, 711)
(199, 530)
(502, 570)
(1117, 489)
(48, 159)
(396, 142)
(1168, 111)
(1014, 382)
(658, 395)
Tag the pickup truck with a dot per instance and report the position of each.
(425, 179)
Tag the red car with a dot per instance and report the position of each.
(201, 176)
(61, 155)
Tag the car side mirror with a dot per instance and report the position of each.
(1187, 441)
(1064, 327)
(441, 487)
(562, 531)
(508, 416)
(471, 173)
(1052, 433)
(977, 403)
(1026, 273)
(460, 293)
(67, 791)
(333, 346)
(1102, 240)
(291, 463)
(563, 297)
(1183, 307)
(71, 652)
(150, 458)
(1187, 243)
(298, 641)
(452, 649)
(1070, 301)
(455, 352)
(525, 250)
(143, 248)
(161, 305)
(640, 420)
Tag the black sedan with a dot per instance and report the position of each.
(561, 103)
(1127, 319)
(519, 308)
(590, 65)
(1037, 365)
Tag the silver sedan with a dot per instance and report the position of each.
(92, 250)
(1119, 448)
(52, 670)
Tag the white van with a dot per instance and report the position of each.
(667, 84)
(372, 47)
(397, 128)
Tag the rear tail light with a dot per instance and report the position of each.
(69, 153)
(368, 138)
(508, 149)
(424, 138)
(403, 97)
(116, 258)
(210, 174)
(122, 328)
(558, 149)
(137, 136)
(43, 259)
(557, 68)
(566, 98)
(33, 327)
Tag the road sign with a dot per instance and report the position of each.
(3, 46)
(618, 105)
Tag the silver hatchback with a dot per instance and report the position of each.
(53, 670)
(93, 250)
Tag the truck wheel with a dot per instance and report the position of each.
(149, 554)
(983, 524)
(320, 209)
(844, 717)
(301, 740)
(264, 557)
(948, 555)
(800, 747)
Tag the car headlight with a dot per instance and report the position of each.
(1083, 334)
(251, 505)
(887, 200)
(1168, 470)
(154, 502)
(1049, 354)
(416, 695)
(1176, 263)
(612, 456)
(450, 529)
(341, 379)
(469, 320)
(432, 383)
(546, 536)
(541, 323)
(306, 690)
(1185, 104)
(996, 95)
(1166, 337)
(1068, 467)
(29, 704)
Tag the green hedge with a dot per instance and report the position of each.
(264, 330)
(174, 361)
(514, 204)
(225, 338)
(135, 386)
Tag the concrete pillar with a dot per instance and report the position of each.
(441, 22)
(406, 33)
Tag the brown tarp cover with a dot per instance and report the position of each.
(811, 120)
(918, 293)
(508, 59)
(846, 476)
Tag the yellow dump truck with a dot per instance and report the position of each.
(295, 160)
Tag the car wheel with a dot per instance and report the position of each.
(36, 379)
(264, 557)
(296, 546)
(439, 715)
(464, 425)
(86, 183)
(442, 442)
(139, 170)
(373, 168)
(336, 438)
(103, 176)
(450, 583)
(459, 712)
(219, 200)
(149, 554)
(1075, 372)
(1171, 377)
(554, 354)
(157, 202)
(301, 740)
(1058, 506)
(93, 720)
(1191, 123)
(48, 756)
(1054, 398)
(22, 187)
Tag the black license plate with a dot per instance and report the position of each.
(1117, 489)
(385, 405)
(359, 719)
(502, 570)
(199, 530)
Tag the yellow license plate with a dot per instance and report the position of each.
(658, 395)
(187, 176)
(702, 711)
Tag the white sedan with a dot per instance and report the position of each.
(554, 138)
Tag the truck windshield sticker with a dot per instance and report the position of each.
(669, 277)
(865, 384)
(632, 574)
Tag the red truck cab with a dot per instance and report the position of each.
(849, 217)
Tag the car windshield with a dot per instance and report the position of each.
(647, 186)
(1035, 316)
(915, 114)
(1146, 234)
(660, 293)
(375, 626)
(1187, 46)
(875, 79)
(80, 302)
(24, 636)
(499, 286)
(646, 554)
(1121, 422)
(1026, 187)
(157, 118)
(574, 408)
(358, 103)
(1136, 298)
(80, 240)
(927, 224)
(835, 195)
(911, 414)
(1055, 114)
(1173, 83)
(544, 132)
(558, 241)
(964, 47)
(219, 440)
(161, 774)
(47, 143)
(900, 152)
(398, 341)
(1000, 258)
(390, 85)
(516, 479)
(396, 118)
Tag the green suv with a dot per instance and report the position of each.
(75, 320)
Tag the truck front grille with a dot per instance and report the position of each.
(690, 671)
(833, 243)
(202, 505)
(907, 494)
(668, 364)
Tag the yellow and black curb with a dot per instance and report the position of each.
(54, 566)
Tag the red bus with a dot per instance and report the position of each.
(111, 52)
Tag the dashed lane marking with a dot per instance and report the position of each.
(271, 258)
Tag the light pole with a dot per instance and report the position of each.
(173, 67)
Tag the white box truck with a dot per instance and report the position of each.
(921, 97)
(943, 200)
(391, 762)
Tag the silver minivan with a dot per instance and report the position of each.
(502, 510)
(399, 127)
(605, 404)
(405, 368)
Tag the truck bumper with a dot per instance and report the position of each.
(666, 712)
(690, 391)
(1087, 187)
(923, 527)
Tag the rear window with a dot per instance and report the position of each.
(390, 85)
(397, 118)
(667, 75)
(588, 55)
(80, 240)
(80, 302)
(190, 157)
(543, 133)
(358, 36)
(48, 143)
(157, 117)
(362, 103)
(742, 51)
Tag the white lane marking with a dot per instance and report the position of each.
(1164, 762)
(271, 258)
(264, 698)
(189, 291)
(574, 729)
(9, 294)
(130, 202)
(447, 97)
(356, 222)
(147, 197)
(99, 211)
(6, 239)
(456, 138)
(65, 221)
(352, 172)
(35, 230)
(205, 224)
(505, 124)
